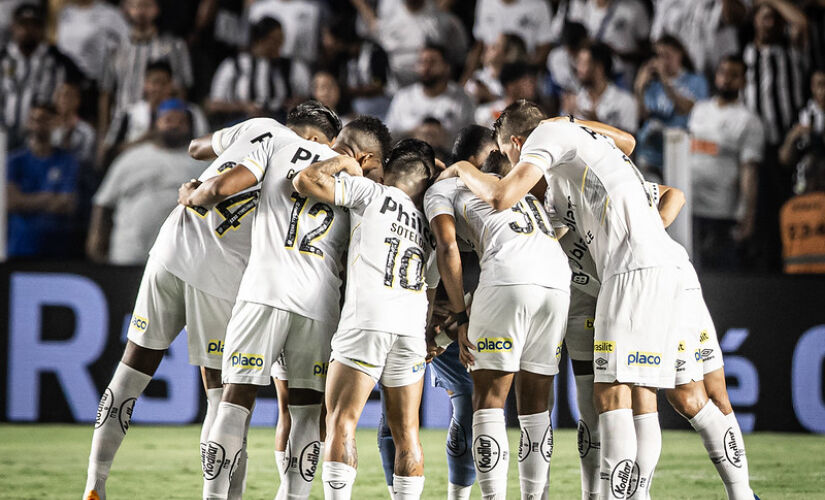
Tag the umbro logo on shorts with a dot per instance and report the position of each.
(680, 363)
(600, 363)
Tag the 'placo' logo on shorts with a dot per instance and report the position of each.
(215, 347)
(139, 323)
(247, 361)
(320, 369)
(494, 344)
(604, 346)
(644, 358)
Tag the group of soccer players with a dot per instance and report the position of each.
(572, 249)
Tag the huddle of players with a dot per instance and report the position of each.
(272, 287)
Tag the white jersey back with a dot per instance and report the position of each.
(514, 247)
(391, 259)
(209, 249)
(614, 213)
(297, 242)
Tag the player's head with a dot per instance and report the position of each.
(157, 82)
(141, 13)
(730, 78)
(410, 167)
(496, 163)
(818, 86)
(594, 64)
(516, 122)
(314, 122)
(473, 144)
(368, 140)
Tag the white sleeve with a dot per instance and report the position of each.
(431, 274)
(439, 199)
(654, 191)
(753, 142)
(547, 144)
(225, 137)
(355, 193)
(258, 161)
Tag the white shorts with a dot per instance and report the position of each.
(579, 336)
(394, 360)
(166, 304)
(257, 334)
(279, 367)
(518, 327)
(708, 341)
(637, 326)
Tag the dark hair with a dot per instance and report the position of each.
(343, 28)
(495, 163)
(159, 65)
(44, 105)
(31, 10)
(734, 59)
(429, 45)
(514, 48)
(469, 142)
(375, 130)
(263, 28)
(674, 43)
(573, 35)
(312, 113)
(409, 157)
(431, 120)
(602, 55)
(518, 119)
(511, 72)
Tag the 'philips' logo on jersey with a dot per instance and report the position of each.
(604, 346)
(494, 344)
(248, 361)
(139, 323)
(215, 347)
(644, 358)
(320, 369)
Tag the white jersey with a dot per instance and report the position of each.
(297, 241)
(514, 247)
(609, 205)
(209, 249)
(391, 259)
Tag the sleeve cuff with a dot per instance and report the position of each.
(216, 142)
(536, 160)
(254, 167)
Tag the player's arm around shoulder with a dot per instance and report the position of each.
(500, 193)
(623, 140)
(318, 180)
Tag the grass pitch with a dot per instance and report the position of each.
(49, 461)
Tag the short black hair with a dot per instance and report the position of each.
(263, 28)
(674, 43)
(30, 11)
(43, 104)
(495, 163)
(518, 119)
(511, 72)
(410, 157)
(159, 65)
(376, 130)
(602, 55)
(469, 142)
(314, 114)
(573, 34)
(734, 59)
(430, 45)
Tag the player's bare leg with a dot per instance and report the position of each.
(491, 451)
(283, 426)
(533, 400)
(648, 440)
(614, 403)
(403, 404)
(114, 412)
(347, 391)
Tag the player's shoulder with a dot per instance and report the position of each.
(442, 188)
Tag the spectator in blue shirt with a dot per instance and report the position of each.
(666, 88)
(42, 181)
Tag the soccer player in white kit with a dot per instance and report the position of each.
(288, 298)
(634, 328)
(381, 336)
(191, 279)
(516, 323)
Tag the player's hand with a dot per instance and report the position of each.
(465, 346)
(448, 173)
(185, 191)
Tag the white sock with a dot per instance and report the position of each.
(303, 451)
(458, 492)
(237, 483)
(338, 480)
(588, 437)
(534, 451)
(223, 450)
(392, 493)
(114, 412)
(407, 487)
(618, 452)
(648, 449)
(725, 448)
(213, 400)
(280, 464)
(491, 452)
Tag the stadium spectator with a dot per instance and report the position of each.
(407, 28)
(666, 88)
(519, 82)
(434, 95)
(727, 146)
(432, 132)
(30, 70)
(86, 29)
(140, 189)
(132, 124)
(125, 64)
(327, 91)
(484, 85)
(72, 133)
(599, 98)
(301, 20)
(809, 130)
(561, 63)
(814, 11)
(41, 191)
(7, 9)
(802, 222)
(259, 82)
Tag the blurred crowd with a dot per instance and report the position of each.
(99, 99)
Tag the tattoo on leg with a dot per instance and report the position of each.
(350, 455)
(408, 462)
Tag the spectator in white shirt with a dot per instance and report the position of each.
(301, 20)
(484, 86)
(599, 99)
(435, 95)
(72, 133)
(561, 63)
(86, 29)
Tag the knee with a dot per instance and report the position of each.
(608, 397)
(687, 399)
(722, 402)
(240, 394)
